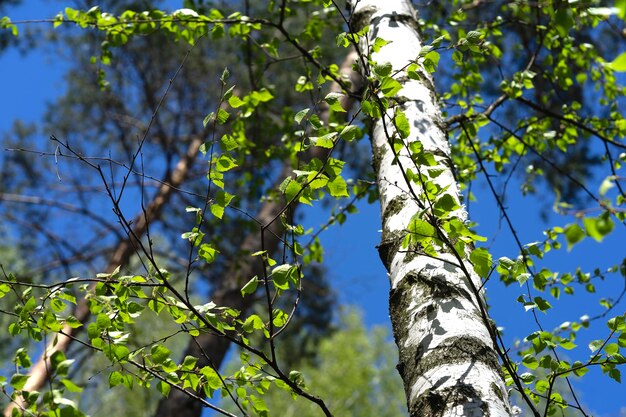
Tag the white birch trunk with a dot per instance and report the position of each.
(447, 356)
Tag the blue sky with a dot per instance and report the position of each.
(29, 82)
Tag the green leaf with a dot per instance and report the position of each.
(342, 40)
(425, 50)
(283, 275)
(325, 141)
(225, 163)
(29, 306)
(235, 102)
(303, 84)
(481, 259)
(606, 185)
(315, 122)
(615, 323)
(457, 57)
(542, 386)
(420, 227)
(93, 331)
(378, 43)
(121, 352)
(382, 70)
(279, 318)
(164, 388)
(115, 379)
(337, 187)
(290, 188)
(522, 278)
(595, 345)
(296, 377)
(18, 381)
(21, 358)
(611, 349)
(573, 234)
(390, 87)
(207, 253)
(229, 143)
(258, 403)
(71, 386)
(542, 304)
(5, 23)
(402, 124)
(71, 14)
(189, 363)
(254, 322)
(598, 227)
(222, 199)
(444, 204)
(621, 8)
(225, 73)
(579, 369)
(527, 377)
(156, 306)
(4, 289)
(207, 119)
(474, 37)
(261, 96)
(334, 101)
(564, 20)
(350, 133)
(431, 61)
(301, 115)
(619, 63)
(250, 286)
(59, 363)
(160, 354)
(103, 321)
(67, 296)
(530, 361)
(212, 377)
(220, 118)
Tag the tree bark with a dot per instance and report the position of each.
(448, 359)
(40, 371)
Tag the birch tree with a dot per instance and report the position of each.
(447, 344)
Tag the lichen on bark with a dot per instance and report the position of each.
(395, 206)
(436, 403)
(377, 156)
(390, 244)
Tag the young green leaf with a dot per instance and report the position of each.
(250, 286)
(481, 259)
(573, 234)
(619, 63)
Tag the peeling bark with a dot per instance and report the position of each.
(448, 359)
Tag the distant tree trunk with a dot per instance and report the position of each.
(209, 348)
(40, 371)
(447, 357)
